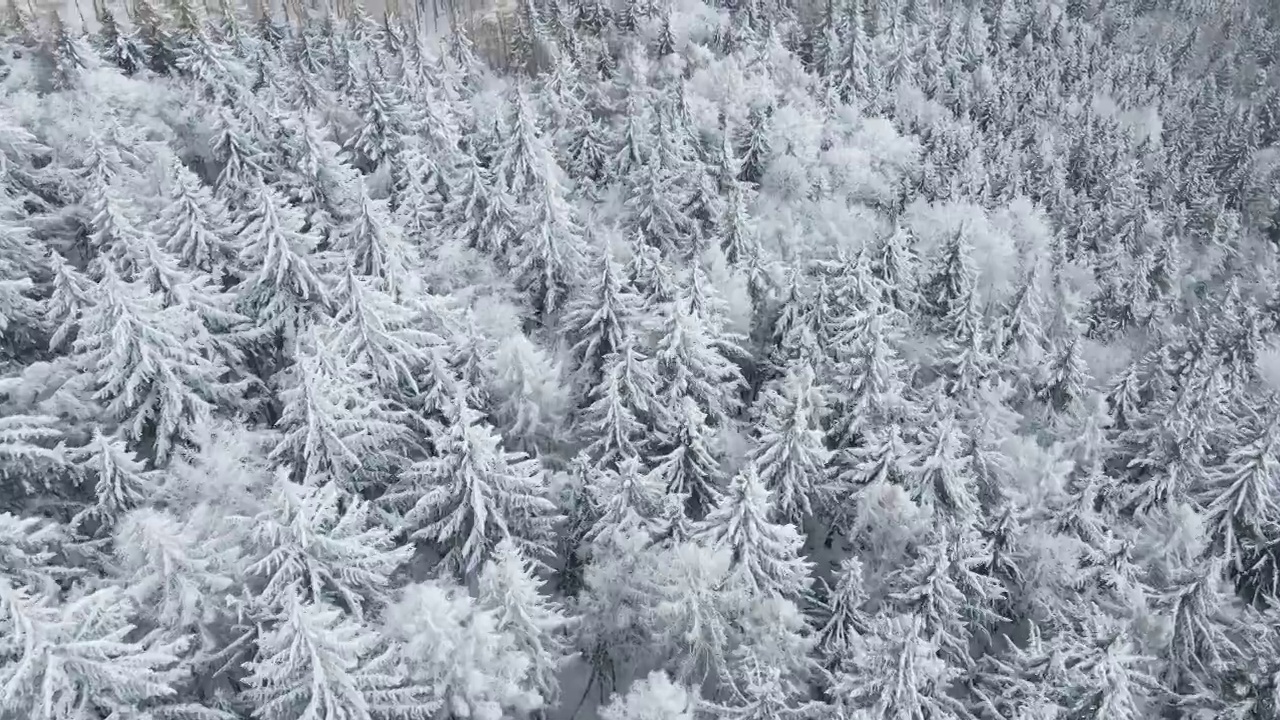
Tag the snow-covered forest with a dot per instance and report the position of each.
(649, 360)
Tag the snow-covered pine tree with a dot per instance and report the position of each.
(385, 120)
(286, 289)
(318, 664)
(121, 482)
(30, 449)
(868, 386)
(241, 156)
(1242, 512)
(739, 234)
(318, 178)
(376, 247)
(1021, 339)
(317, 544)
(896, 673)
(194, 226)
(1109, 675)
(118, 45)
(510, 590)
(614, 422)
(335, 425)
(655, 204)
(527, 403)
(479, 212)
(686, 463)
(940, 476)
(794, 335)
(844, 619)
(1066, 378)
(966, 359)
(765, 555)
(946, 590)
(652, 276)
(32, 555)
(417, 201)
(753, 143)
(474, 494)
(948, 289)
(790, 453)
(65, 55)
(895, 264)
(597, 318)
(21, 263)
(110, 670)
(546, 256)
(182, 582)
(1204, 615)
(382, 336)
(148, 365)
(626, 500)
(690, 365)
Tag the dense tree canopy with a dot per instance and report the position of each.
(865, 359)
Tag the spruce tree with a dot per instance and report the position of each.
(454, 649)
(118, 45)
(626, 500)
(620, 406)
(868, 383)
(1241, 510)
(314, 662)
(110, 670)
(686, 463)
(510, 589)
(286, 289)
(690, 365)
(845, 620)
(194, 226)
(334, 425)
(121, 481)
(790, 452)
(372, 330)
(318, 177)
(547, 259)
(148, 365)
(896, 673)
(946, 590)
(940, 476)
(318, 544)
(651, 698)
(30, 450)
(479, 212)
(764, 554)
(754, 145)
(384, 123)
(21, 262)
(597, 319)
(473, 495)
(376, 247)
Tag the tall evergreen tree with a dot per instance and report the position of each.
(286, 289)
(790, 453)
(765, 555)
(334, 425)
(148, 365)
(317, 544)
(509, 588)
(473, 495)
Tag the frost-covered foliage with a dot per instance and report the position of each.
(641, 360)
